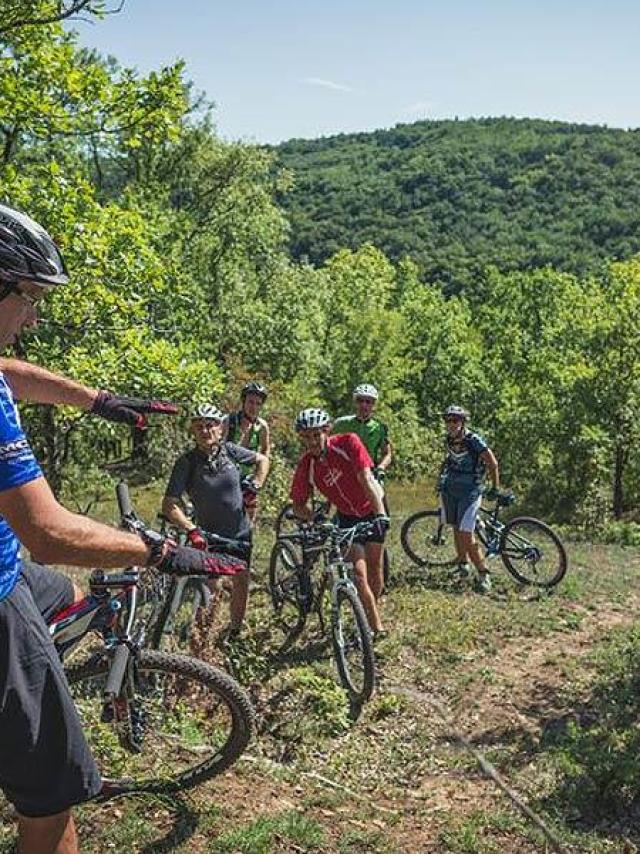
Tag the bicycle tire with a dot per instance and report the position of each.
(290, 601)
(360, 646)
(418, 535)
(515, 555)
(283, 525)
(175, 734)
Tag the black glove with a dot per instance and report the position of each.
(492, 494)
(380, 525)
(129, 410)
(379, 474)
(248, 484)
(173, 559)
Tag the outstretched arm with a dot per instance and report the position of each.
(37, 385)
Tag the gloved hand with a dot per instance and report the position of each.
(129, 410)
(248, 484)
(319, 518)
(182, 560)
(379, 474)
(381, 524)
(492, 494)
(196, 539)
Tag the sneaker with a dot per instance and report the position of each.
(483, 583)
(461, 572)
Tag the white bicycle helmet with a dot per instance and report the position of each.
(207, 412)
(366, 390)
(310, 418)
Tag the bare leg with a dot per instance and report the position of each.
(461, 540)
(375, 572)
(52, 834)
(356, 556)
(472, 548)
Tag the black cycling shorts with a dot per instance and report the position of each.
(343, 521)
(45, 763)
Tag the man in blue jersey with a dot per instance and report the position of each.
(468, 459)
(45, 764)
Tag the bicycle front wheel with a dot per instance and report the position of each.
(191, 721)
(427, 541)
(532, 552)
(353, 645)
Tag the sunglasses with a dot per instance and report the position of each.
(452, 420)
(365, 400)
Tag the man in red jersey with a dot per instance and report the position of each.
(340, 468)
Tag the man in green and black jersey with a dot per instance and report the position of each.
(247, 429)
(375, 438)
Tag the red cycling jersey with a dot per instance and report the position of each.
(335, 474)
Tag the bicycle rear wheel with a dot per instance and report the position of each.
(427, 541)
(193, 721)
(353, 645)
(289, 587)
(532, 552)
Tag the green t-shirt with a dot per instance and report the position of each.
(373, 433)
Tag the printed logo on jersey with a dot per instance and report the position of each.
(16, 450)
(332, 477)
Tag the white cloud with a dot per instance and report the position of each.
(327, 84)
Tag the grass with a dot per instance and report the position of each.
(545, 686)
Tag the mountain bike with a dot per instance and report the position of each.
(294, 596)
(530, 550)
(155, 722)
(287, 523)
(176, 601)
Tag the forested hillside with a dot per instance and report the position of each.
(183, 284)
(457, 196)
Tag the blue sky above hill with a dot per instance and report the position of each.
(278, 69)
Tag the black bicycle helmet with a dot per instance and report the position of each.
(28, 252)
(308, 419)
(254, 387)
(456, 412)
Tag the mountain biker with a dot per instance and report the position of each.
(45, 763)
(375, 437)
(246, 428)
(340, 468)
(460, 485)
(370, 429)
(209, 474)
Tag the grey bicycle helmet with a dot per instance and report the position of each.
(310, 418)
(366, 390)
(28, 252)
(207, 412)
(254, 387)
(456, 412)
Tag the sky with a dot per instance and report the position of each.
(278, 69)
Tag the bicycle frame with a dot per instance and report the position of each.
(101, 612)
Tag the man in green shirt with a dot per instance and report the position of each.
(371, 430)
(375, 437)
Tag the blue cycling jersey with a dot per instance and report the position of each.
(17, 467)
(463, 470)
